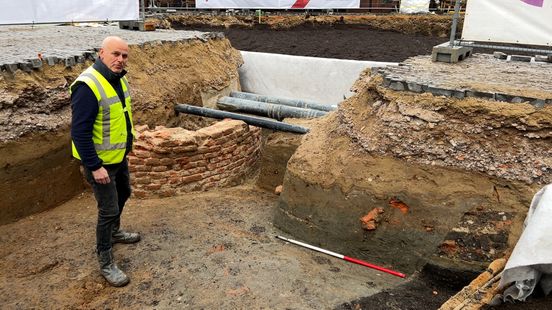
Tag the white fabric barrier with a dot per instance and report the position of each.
(531, 261)
(325, 80)
(277, 4)
(414, 6)
(54, 11)
(509, 21)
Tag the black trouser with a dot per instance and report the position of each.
(111, 200)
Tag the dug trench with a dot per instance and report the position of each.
(441, 223)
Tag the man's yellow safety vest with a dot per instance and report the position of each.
(109, 133)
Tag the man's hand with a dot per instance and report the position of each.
(101, 176)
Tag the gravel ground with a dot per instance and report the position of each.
(481, 72)
(18, 44)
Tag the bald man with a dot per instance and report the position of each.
(102, 133)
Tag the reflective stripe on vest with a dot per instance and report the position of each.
(108, 127)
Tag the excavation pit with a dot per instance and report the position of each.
(442, 221)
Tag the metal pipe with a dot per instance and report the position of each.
(308, 104)
(276, 111)
(454, 22)
(251, 120)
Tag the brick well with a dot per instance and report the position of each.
(168, 161)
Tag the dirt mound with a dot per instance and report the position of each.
(446, 184)
(428, 25)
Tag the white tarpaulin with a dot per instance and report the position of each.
(325, 80)
(53, 11)
(414, 6)
(531, 261)
(509, 21)
(277, 4)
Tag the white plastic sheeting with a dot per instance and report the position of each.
(414, 6)
(53, 11)
(509, 21)
(277, 4)
(325, 80)
(531, 261)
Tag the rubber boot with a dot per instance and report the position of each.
(110, 271)
(121, 236)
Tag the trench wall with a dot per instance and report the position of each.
(167, 161)
(37, 171)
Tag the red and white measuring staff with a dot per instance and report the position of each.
(343, 257)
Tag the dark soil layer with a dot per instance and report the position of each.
(358, 42)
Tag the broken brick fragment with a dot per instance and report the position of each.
(397, 204)
(448, 247)
(370, 220)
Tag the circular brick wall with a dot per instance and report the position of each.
(167, 161)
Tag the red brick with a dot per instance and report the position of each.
(183, 160)
(143, 168)
(175, 180)
(197, 157)
(199, 163)
(203, 150)
(153, 187)
(140, 193)
(139, 174)
(141, 153)
(160, 150)
(184, 149)
(145, 180)
(159, 168)
(135, 161)
(192, 178)
(157, 175)
(152, 161)
(167, 161)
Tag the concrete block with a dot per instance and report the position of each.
(397, 85)
(80, 59)
(480, 94)
(386, 81)
(26, 67)
(437, 91)
(543, 58)
(450, 54)
(11, 68)
(414, 87)
(500, 55)
(90, 55)
(520, 58)
(36, 63)
(70, 61)
(459, 93)
(504, 97)
(520, 99)
(51, 60)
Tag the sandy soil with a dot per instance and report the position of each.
(213, 250)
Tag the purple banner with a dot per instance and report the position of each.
(538, 3)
